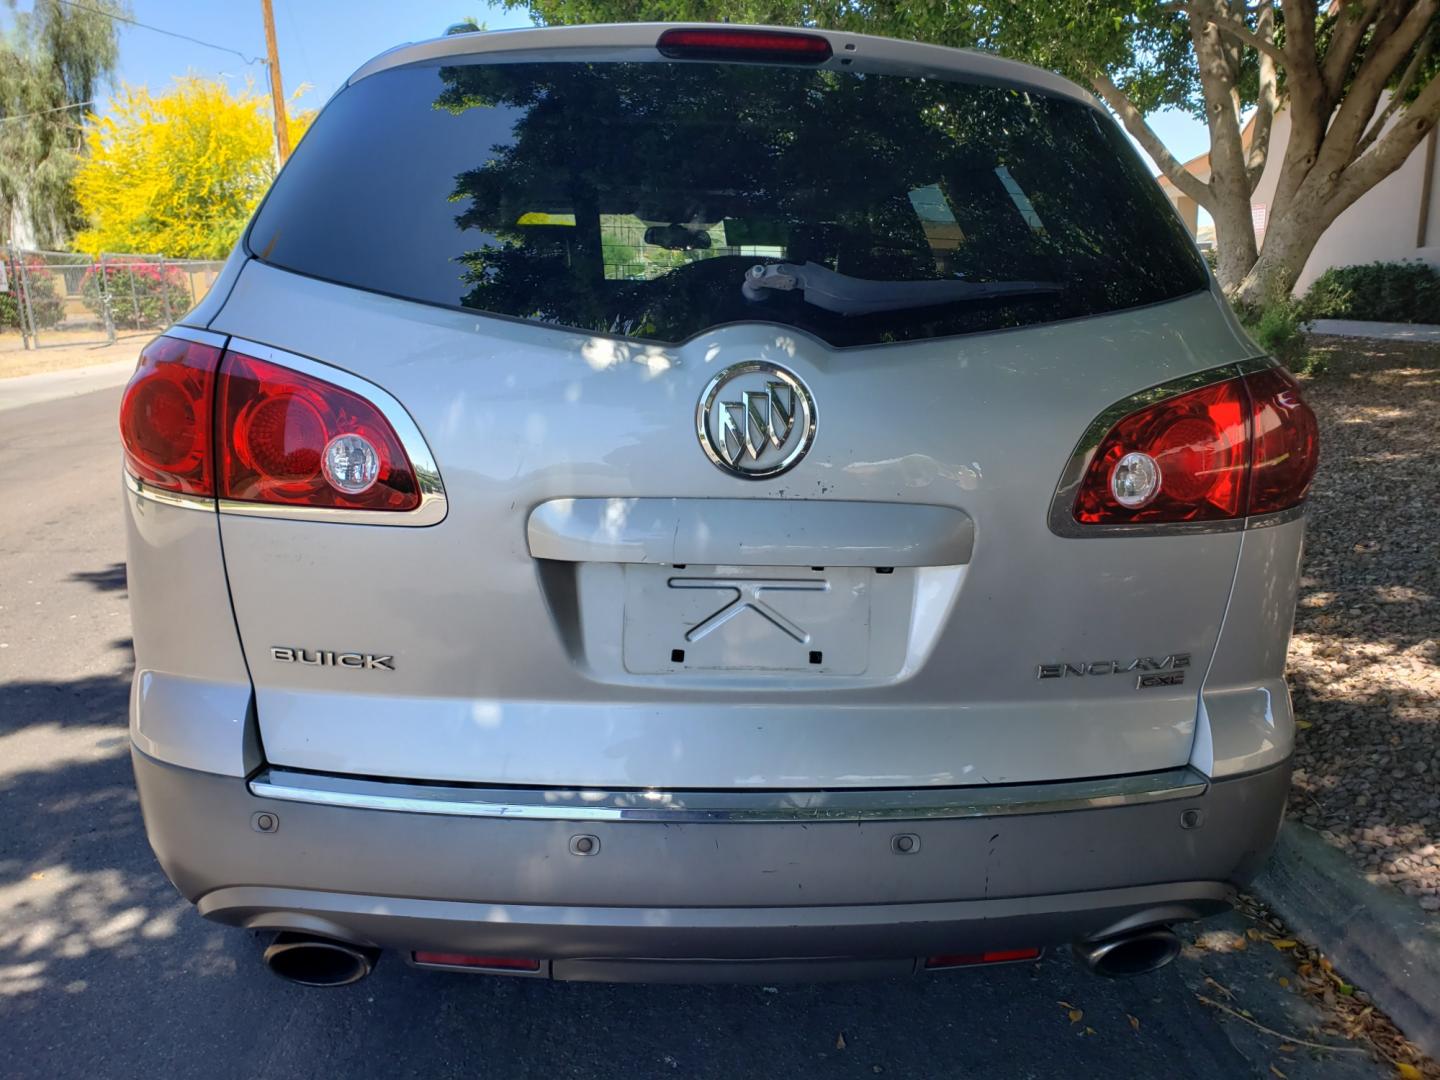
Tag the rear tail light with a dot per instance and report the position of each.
(290, 438)
(165, 416)
(1284, 442)
(992, 956)
(1229, 450)
(196, 422)
(770, 46)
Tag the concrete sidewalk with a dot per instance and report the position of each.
(49, 385)
(1423, 333)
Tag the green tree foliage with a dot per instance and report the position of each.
(1330, 63)
(55, 59)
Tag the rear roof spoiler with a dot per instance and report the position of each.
(637, 41)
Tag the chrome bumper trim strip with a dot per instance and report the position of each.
(139, 487)
(555, 804)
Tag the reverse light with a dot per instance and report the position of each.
(351, 463)
(165, 416)
(1135, 479)
(290, 438)
(719, 43)
(1234, 448)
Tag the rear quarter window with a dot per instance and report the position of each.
(630, 199)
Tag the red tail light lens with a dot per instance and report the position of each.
(1241, 447)
(286, 437)
(1285, 442)
(771, 46)
(165, 416)
(1197, 444)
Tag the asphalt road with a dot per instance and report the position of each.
(105, 971)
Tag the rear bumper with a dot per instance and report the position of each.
(727, 899)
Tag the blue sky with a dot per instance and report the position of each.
(322, 42)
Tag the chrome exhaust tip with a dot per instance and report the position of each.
(317, 961)
(1137, 953)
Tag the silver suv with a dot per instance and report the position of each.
(704, 502)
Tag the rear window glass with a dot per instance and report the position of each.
(632, 199)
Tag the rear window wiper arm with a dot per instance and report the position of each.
(846, 295)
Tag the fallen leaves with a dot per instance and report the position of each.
(1349, 1015)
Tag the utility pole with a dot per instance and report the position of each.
(277, 92)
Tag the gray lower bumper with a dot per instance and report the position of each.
(728, 891)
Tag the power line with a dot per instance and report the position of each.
(45, 112)
(168, 33)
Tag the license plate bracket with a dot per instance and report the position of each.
(747, 619)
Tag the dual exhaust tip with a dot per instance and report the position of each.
(318, 961)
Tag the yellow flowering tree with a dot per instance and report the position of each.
(177, 173)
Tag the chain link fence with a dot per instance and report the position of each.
(50, 298)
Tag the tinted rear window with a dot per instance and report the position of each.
(630, 199)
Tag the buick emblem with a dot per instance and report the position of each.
(755, 420)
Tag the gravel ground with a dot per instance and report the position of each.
(1365, 658)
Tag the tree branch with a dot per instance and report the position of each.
(1358, 107)
(1267, 102)
(1300, 38)
(1235, 29)
(1187, 182)
(1397, 96)
(1345, 41)
(1392, 150)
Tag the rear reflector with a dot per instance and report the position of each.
(771, 46)
(495, 963)
(994, 956)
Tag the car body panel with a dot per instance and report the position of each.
(487, 685)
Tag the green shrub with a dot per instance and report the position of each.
(47, 306)
(139, 293)
(1406, 292)
(1278, 328)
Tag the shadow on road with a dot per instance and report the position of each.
(110, 579)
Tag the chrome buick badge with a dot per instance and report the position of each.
(755, 420)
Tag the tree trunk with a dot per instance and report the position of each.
(1234, 239)
(1289, 240)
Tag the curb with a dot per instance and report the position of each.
(1378, 937)
(1415, 333)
